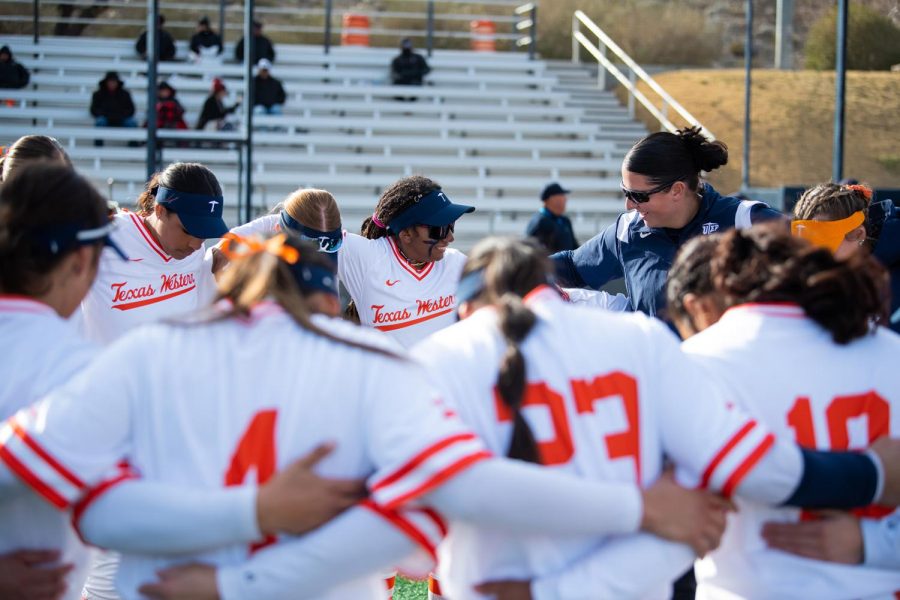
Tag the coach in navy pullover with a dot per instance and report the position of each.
(642, 255)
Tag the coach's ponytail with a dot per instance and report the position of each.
(766, 264)
(665, 157)
(511, 269)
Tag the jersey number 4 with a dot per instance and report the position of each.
(838, 413)
(255, 451)
(586, 393)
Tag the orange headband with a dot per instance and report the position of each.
(828, 234)
(236, 246)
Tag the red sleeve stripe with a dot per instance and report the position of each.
(745, 467)
(413, 532)
(32, 481)
(438, 478)
(421, 458)
(52, 462)
(723, 452)
(95, 492)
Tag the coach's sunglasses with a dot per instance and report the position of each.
(439, 232)
(641, 196)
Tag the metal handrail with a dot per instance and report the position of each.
(599, 51)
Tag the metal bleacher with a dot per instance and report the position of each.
(492, 128)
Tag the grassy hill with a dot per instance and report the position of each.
(793, 123)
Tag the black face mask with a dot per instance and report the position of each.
(406, 51)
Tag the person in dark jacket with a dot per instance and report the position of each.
(408, 68)
(550, 226)
(166, 43)
(169, 112)
(214, 109)
(205, 41)
(667, 205)
(13, 75)
(264, 49)
(268, 93)
(111, 104)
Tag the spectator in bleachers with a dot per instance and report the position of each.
(205, 43)
(13, 75)
(111, 104)
(268, 93)
(166, 43)
(263, 47)
(550, 226)
(214, 110)
(169, 112)
(408, 67)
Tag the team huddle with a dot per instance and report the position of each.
(189, 422)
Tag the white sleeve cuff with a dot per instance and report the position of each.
(879, 467)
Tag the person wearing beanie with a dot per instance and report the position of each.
(214, 110)
(111, 104)
(13, 75)
(169, 112)
(205, 43)
(263, 47)
(166, 43)
(550, 226)
(408, 67)
(268, 93)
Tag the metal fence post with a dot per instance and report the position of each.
(840, 67)
(36, 17)
(532, 46)
(429, 40)
(326, 44)
(249, 53)
(222, 21)
(632, 78)
(152, 59)
(748, 70)
(576, 51)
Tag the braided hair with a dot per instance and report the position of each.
(833, 201)
(512, 268)
(396, 199)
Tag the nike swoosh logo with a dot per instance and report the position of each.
(390, 283)
(645, 234)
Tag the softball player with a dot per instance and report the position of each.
(401, 273)
(28, 149)
(165, 274)
(603, 412)
(803, 319)
(269, 406)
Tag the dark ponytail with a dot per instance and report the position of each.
(511, 269)
(766, 264)
(666, 157)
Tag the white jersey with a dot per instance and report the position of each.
(148, 287)
(787, 372)
(43, 352)
(393, 297)
(607, 411)
(195, 415)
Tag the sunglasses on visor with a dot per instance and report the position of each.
(641, 196)
(326, 244)
(439, 232)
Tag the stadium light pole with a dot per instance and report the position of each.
(748, 68)
(249, 53)
(840, 68)
(152, 58)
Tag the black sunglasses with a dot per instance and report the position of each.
(439, 232)
(641, 196)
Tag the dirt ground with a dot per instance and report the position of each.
(793, 123)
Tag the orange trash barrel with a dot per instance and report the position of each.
(484, 35)
(355, 30)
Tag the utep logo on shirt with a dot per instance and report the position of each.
(172, 285)
(709, 228)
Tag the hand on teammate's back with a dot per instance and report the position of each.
(25, 576)
(836, 538)
(185, 582)
(692, 517)
(296, 500)
(888, 450)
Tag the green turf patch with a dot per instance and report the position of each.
(404, 589)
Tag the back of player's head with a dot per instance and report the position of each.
(396, 199)
(190, 178)
(767, 264)
(313, 208)
(501, 272)
(43, 206)
(282, 268)
(31, 148)
(666, 157)
(690, 274)
(832, 201)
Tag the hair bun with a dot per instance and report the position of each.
(705, 154)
